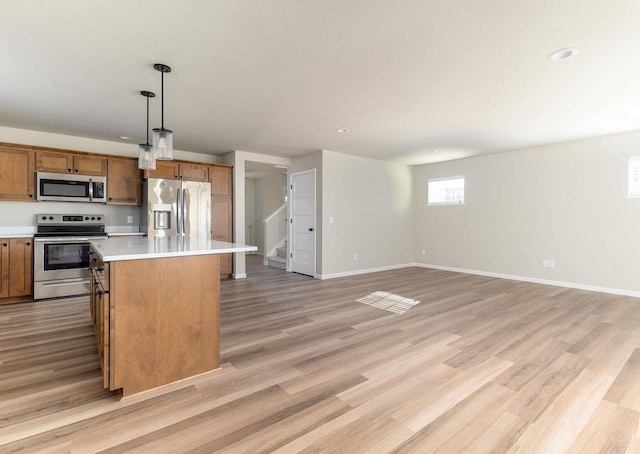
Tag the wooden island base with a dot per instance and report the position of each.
(160, 320)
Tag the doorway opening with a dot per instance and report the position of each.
(267, 212)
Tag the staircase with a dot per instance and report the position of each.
(280, 259)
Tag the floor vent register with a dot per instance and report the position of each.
(388, 301)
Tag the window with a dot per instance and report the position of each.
(634, 176)
(446, 191)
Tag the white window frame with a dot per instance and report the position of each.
(634, 177)
(442, 202)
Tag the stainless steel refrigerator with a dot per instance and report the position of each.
(176, 208)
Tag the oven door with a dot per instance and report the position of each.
(61, 258)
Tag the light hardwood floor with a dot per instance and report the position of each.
(480, 365)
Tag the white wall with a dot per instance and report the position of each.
(566, 202)
(251, 221)
(370, 202)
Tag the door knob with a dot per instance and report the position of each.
(310, 229)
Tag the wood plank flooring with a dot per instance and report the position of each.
(480, 365)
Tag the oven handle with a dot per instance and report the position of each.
(80, 280)
(70, 239)
(90, 189)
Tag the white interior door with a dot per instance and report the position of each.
(303, 222)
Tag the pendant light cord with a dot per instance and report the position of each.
(147, 121)
(162, 101)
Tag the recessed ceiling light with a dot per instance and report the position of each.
(126, 137)
(436, 151)
(563, 54)
(342, 130)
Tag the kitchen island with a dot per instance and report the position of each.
(155, 306)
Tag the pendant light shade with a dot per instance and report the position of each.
(146, 155)
(162, 138)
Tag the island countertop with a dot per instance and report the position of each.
(115, 249)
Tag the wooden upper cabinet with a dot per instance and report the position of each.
(221, 179)
(164, 169)
(54, 162)
(17, 174)
(68, 163)
(124, 182)
(193, 172)
(90, 165)
(174, 170)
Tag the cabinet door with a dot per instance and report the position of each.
(48, 161)
(164, 169)
(222, 229)
(194, 172)
(21, 266)
(89, 165)
(17, 174)
(221, 179)
(124, 182)
(4, 268)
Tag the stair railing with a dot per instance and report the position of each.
(275, 231)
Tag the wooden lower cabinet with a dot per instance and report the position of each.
(222, 229)
(16, 269)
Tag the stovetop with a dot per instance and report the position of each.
(49, 225)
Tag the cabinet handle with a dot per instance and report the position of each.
(5, 244)
(29, 244)
(110, 198)
(69, 170)
(31, 196)
(76, 170)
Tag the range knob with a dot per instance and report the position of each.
(44, 218)
(99, 218)
(86, 218)
(93, 218)
(51, 218)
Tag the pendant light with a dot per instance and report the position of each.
(146, 155)
(162, 138)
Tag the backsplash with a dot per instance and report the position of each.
(21, 214)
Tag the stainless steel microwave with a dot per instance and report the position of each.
(61, 187)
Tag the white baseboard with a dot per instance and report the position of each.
(239, 276)
(369, 270)
(535, 280)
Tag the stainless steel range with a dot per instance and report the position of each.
(61, 255)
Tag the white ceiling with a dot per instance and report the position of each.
(280, 76)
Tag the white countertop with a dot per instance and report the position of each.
(113, 249)
(17, 232)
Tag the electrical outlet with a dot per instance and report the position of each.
(424, 252)
(355, 256)
(130, 219)
(552, 263)
(545, 263)
(330, 219)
